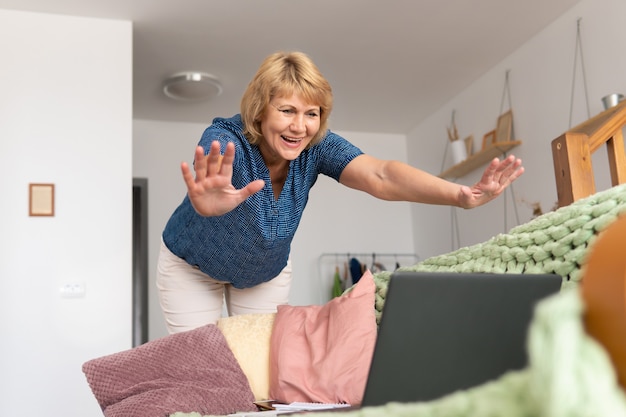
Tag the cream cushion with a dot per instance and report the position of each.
(248, 336)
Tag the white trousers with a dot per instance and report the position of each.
(190, 298)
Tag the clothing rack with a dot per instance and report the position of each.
(330, 263)
(372, 255)
(374, 259)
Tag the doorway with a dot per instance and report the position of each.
(140, 261)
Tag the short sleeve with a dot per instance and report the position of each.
(333, 154)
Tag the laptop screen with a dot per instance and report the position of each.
(443, 332)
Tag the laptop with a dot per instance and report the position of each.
(443, 332)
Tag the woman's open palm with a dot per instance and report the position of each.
(211, 192)
(496, 178)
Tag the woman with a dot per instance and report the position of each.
(230, 237)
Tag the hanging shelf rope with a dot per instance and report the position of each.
(578, 52)
(506, 93)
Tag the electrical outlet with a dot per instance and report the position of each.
(72, 290)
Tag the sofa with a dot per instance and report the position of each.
(300, 352)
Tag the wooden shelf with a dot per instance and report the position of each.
(479, 159)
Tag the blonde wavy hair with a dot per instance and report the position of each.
(283, 74)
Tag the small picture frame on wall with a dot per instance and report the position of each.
(488, 139)
(41, 199)
(504, 128)
(469, 144)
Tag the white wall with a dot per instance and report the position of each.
(541, 77)
(65, 118)
(158, 150)
(336, 219)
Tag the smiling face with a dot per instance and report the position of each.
(288, 126)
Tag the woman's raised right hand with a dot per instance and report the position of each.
(211, 191)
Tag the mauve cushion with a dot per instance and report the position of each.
(193, 371)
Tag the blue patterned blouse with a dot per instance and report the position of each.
(251, 244)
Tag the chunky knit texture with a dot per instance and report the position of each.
(556, 242)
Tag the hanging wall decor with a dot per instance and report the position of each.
(41, 200)
(504, 127)
(469, 145)
(488, 139)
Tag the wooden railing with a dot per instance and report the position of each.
(571, 153)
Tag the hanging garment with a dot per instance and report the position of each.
(377, 267)
(356, 270)
(337, 287)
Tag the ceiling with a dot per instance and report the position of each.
(391, 63)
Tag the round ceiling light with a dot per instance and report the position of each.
(192, 86)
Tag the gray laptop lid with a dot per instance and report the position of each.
(443, 332)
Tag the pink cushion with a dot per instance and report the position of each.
(193, 371)
(323, 353)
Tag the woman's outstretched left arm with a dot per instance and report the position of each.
(397, 181)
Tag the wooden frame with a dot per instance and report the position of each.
(488, 139)
(41, 199)
(572, 154)
(504, 129)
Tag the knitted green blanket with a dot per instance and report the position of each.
(556, 243)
